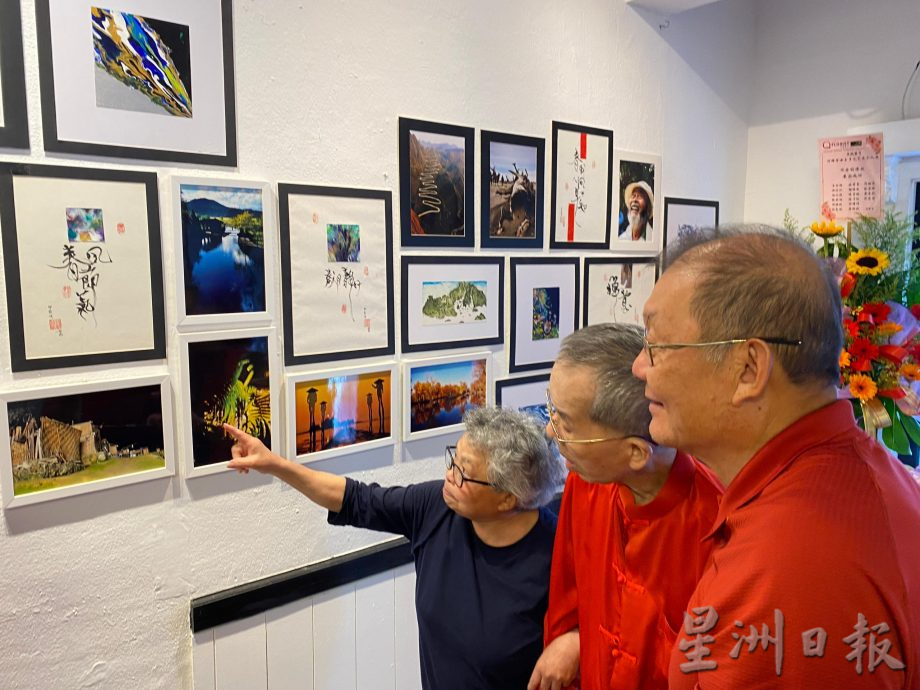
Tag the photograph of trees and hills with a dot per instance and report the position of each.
(452, 301)
(441, 393)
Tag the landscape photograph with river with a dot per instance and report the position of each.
(442, 393)
(224, 249)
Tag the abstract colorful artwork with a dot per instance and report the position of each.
(85, 225)
(545, 313)
(452, 301)
(228, 382)
(439, 394)
(223, 249)
(616, 289)
(342, 410)
(344, 243)
(143, 64)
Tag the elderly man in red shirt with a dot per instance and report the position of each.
(814, 577)
(628, 549)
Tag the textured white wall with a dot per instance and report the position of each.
(94, 589)
(822, 66)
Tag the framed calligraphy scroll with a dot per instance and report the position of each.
(616, 289)
(83, 269)
(336, 273)
(435, 184)
(14, 125)
(581, 190)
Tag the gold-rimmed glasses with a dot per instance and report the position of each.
(552, 412)
(649, 347)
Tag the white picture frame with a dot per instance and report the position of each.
(226, 267)
(616, 289)
(356, 383)
(637, 170)
(221, 352)
(418, 414)
(107, 398)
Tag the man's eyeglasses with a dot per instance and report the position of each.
(552, 412)
(456, 472)
(649, 347)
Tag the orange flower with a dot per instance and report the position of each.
(844, 359)
(863, 387)
(888, 328)
(910, 371)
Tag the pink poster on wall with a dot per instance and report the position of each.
(852, 182)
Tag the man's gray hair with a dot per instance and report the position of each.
(609, 349)
(517, 454)
(759, 281)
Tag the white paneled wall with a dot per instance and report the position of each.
(360, 636)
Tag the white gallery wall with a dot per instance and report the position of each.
(821, 67)
(95, 589)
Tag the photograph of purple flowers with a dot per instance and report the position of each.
(511, 179)
(226, 378)
(83, 266)
(439, 391)
(138, 80)
(435, 184)
(86, 437)
(616, 289)
(544, 309)
(14, 124)
(226, 245)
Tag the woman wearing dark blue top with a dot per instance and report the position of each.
(481, 541)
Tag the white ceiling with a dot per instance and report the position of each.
(669, 7)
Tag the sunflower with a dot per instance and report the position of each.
(867, 262)
(910, 371)
(826, 228)
(863, 387)
(844, 359)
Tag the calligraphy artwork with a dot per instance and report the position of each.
(107, 72)
(82, 266)
(452, 301)
(581, 187)
(544, 309)
(511, 176)
(340, 411)
(436, 184)
(14, 124)
(227, 380)
(638, 202)
(439, 391)
(80, 438)
(337, 273)
(227, 244)
(616, 290)
(684, 217)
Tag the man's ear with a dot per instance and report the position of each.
(639, 453)
(509, 502)
(754, 371)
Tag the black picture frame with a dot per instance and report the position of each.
(541, 357)
(412, 298)
(409, 239)
(19, 359)
(673, 206)
(556, 194)
(287, 192)
(57, 143)
(14, 133)
(487, 163)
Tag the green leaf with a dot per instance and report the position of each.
(901, 444)
(888, 436)
(911, 427)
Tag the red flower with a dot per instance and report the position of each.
(862, 348)
(847, 283)
(851, 327)
(915, 310)
(877, 310)
(861, 364)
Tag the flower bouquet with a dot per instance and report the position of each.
(880, 288)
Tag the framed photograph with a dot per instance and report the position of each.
(435, 184)
(544, 309)
(582, 183)
(74, 439)
(338, 411)
(526, 394)
(140, 79)
(452, 301)
(686, 216)
(336, 273)
(511, 178)
(225, 239)
(14, 119)
(616, 289)
(81, 251)
(226, 377)
(439, 391)
(638, 203)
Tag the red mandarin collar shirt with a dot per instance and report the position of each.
(817, 536)
(623, 573)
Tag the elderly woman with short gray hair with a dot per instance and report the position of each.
(481, 539)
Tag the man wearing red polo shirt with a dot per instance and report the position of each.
(814, 577)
